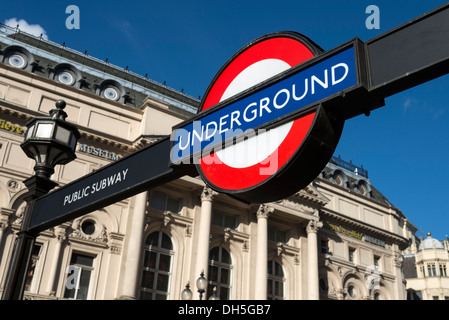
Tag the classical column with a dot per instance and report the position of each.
(400, 287)
(55, 263)
(312, 257)
(262, 252)
(134, 248)
(4, 222)
(202, 248)
(3, 226)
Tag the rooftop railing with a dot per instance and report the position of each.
(350, 167)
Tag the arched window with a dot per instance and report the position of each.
(18, 57)
(112, 90)
(339, 178)
(276, 281)
(157, 267)
(66, 74)
(220, 268)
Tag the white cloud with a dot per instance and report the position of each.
(24, 26)
(409, 103)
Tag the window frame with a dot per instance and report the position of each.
(158, 250)
(352, 255)
(324, 246)
(30, 279)
(278, 233)
(220, 215)
(431, 269)
(274, 278)
(167, 197)
(220, 265)
(81, 267)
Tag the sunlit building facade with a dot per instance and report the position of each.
(426, 270)
(338, 238)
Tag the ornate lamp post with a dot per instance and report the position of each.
(214, 294)
(186, 294)
(49, 141)
(201, 284)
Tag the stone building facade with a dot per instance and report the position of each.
(426, 270)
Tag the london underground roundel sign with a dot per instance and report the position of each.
(268, 164)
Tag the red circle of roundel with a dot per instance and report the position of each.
(284, 47)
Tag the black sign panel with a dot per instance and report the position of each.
(410, 54)
(126, 177)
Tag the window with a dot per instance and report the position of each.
(220, 267)
(66, 77)
(276, 281)
(79, 276)
(362, 189)
(351, 255)
(414, 295)
(111, 90)
(324, 247)
(338, 180)
(32, 267)
(157, 267)
(17, 60)
(18, 57)
(323, 286)
(66, 74)
(224, 220)
(421, 269)
(353, 292)
(431, 270)
(377, 262)
(277, 235)
(111, 93)
(164, 202)
(88, 227)
(443, 272)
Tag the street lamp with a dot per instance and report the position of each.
(186, 294)
(214, 294)
(201, 284)
(49, 141)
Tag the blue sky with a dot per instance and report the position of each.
(403, 145)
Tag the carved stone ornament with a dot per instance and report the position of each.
(297, 259)
(280, 249)
(12, 185)
(313, 226)
(264, 211)
(245, 246)
(188, 231)
(19, 214)
(100, 236)
(207, 194)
